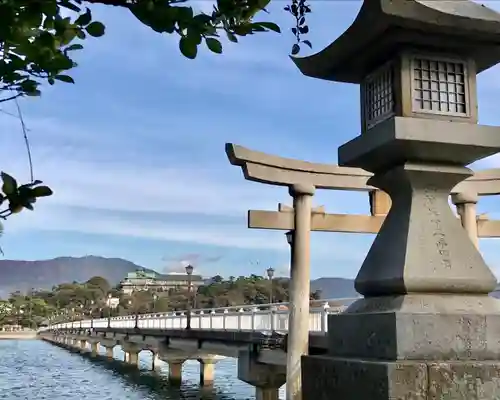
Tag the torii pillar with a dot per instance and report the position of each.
(300, 287)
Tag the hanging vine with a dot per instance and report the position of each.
(15, 197)
(299, 10)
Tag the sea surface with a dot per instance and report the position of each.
(37, 370)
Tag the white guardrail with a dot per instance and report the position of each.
(262, 318)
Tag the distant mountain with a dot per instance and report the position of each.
(43, 274)
(334, 288)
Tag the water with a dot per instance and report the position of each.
(34, 369)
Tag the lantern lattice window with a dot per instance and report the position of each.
(439, 86)
(378, 96)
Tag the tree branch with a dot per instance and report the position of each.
(11, 97)
(125, 3)
(116, 3)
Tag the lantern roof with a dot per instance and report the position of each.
(384, 28)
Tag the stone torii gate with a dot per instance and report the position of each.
(302, 178)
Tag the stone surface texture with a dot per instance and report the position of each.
(343, 379)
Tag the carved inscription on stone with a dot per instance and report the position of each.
(437, 228)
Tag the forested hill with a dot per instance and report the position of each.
(44, 274)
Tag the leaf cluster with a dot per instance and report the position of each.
(299, 10)
(233, 17)
(16, 197)
(37, 37)
(36, 41)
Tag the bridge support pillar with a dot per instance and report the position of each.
(207, 368)
(156, 366)
(174, 369)
(109, 345)
(109, 352)
(133, 357)
(83, 346)
(175, 372)
(131, 352)
(94, 349)
(266, 378)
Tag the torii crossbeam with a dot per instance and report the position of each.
(343, 223)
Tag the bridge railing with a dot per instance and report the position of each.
(263, 318)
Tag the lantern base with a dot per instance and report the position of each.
(418, 327)
(325, 378)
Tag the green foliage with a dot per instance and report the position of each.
(99, 283)
(299, 10)
(37, 38)
(89, 299)
(16, 197)
(36, 41)
(27, 310)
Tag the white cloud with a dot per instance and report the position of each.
(225, 235)
(191, 203)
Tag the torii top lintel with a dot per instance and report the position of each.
(280, 171)
(383, 28)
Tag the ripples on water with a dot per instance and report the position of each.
(37, 370)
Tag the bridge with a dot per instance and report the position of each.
(254, 334)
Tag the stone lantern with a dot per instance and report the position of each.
(426, 327)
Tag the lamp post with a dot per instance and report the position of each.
(30, 307)
(91, 314)
(134, 310)
(189, 272)
(155, 297)
(109, 310)
(21, 312)
(270, 274)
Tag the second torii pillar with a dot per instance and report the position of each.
(466, 209)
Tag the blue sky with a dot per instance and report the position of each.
(135, 150)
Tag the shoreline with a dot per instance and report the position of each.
(20, 335)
